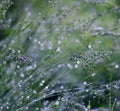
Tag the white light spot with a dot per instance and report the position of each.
(28, 97)
(1, 107)
(37, 109)
(34, 91)
(26, 108)
(77, 41)
(43, 81)
(58, 49)
(76, 66)
(39, 13)
(29, 14)
(41, 84)
(42, 48)
(89, 46)
(99, 41)
(22, 75)
(116, 66)
(98, 29)
(61, 87)
(41, 45)
(85, 83)
(35, 65)
(78, 62)
(22, 97)
(50, 47)
(44, 95)
(69, 66)
(93, 74)
(18, 66)
(57, 103)
(7, 107)
(59, 65)
(87, 90)
(39, 42)
(18, 51)
(28, 68)
(46, 87)
(35, 40)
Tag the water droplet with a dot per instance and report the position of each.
(37, 109)
(77, 41)
(7, 107)
(28, 97)
(46, 87)
(99, 41)
(62, 87)
(59, 65)
(22, 75)
(18, 66)
(27, 108)
(19, 51)
(86, 90)
(69, 66)
(43, 81)
(41, 84)
(93, 74)
(78, 62)
(34, 91)
(28, 68)
(39, 13)
(1, 107)
(85, 83)
(89, 46)
(76, 66)
(39, 42)
(116, 66)
(57, 103)
(98, 29)
(35, 65)
(58, 49)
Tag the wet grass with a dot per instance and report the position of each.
(59, 56)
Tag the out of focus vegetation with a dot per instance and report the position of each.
(59, 55)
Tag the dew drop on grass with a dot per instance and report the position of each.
(27, 108)
(46, 87)
(85, 83)
(76, 66)
(1, 107)
(37, 109)
(18, 66)
(58, 49)
(7, 107)
(78, 62)
(62, 87)
(69, 66)
(22, 75)
(41, 84)
(89, 46)
(116, 66)
(86, 90)
(57, 103)
(34, 91)
(43, 81)
(77, 41)
(39, 42)
(93, 74)
(28, 97)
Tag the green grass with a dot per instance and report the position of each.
(59, 55)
